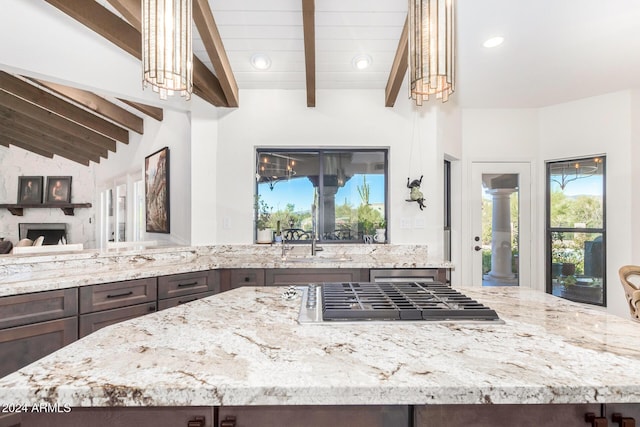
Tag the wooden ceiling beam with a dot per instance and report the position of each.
(38, 146)
(208, 30)
(153, 112)
(31, 93)
(398, 68)
(98, 105)
(21, 126)
(128, 37)
(26, 133)
(8, 141)
(47, 117)
(309, 29)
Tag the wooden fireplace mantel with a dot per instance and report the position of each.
(67, 208)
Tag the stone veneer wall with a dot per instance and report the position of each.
(15, 162)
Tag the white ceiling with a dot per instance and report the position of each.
(554, 50)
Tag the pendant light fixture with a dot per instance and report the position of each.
(167, 52)
(431, 49)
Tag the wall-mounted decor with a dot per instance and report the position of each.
(416, 195)
(156, 180)
(58, 189)
(30, 189)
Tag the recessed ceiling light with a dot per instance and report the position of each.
(260, 61)
(493, 41)
(360, 62)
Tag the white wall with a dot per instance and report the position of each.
(600, 125)
(173, 132)
(344, 118)
(15, 162)
(635, 176)
(205, 175)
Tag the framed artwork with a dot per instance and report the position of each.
(156, 184)
(30, 189)
(58, 189)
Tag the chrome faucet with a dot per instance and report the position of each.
(285, 248)
(314, 232)
(314, 246)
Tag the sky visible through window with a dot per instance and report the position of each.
(299, 192)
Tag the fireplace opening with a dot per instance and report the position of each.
(53, 233)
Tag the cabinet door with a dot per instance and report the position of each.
(22, 345)
(503, 415)
(115, 417)
(119, 294)
(237, 277)
(173, 302)
(92, 322)
(301, 276)
(37, 307)
(177, 285)
(318, 416)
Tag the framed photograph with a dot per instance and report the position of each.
(30, 189)
(156, 184)
(58, 189)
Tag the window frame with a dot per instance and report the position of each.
(322, 151)
(549, 230)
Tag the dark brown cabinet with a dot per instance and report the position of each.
(91, 322)
(118, 294)
(177, 285)
(109, 303)
(37, 307)
(300, 276)
(34, 325)
(236, 277)
(182, 288)
(173, 302)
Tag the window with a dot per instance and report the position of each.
(338, 195)
(447, 209)
(576, 230)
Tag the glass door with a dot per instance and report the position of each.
(501, 217)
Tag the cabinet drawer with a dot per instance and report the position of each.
(37, 307)
(185, 284)
(22, 345)
(172, 302)
(118, 294)
(293, 276)
(246, 277)
(92, 322)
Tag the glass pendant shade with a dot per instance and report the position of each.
(431, 49)
(167, 52)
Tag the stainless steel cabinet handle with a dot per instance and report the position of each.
(125, 294)
(184, 285)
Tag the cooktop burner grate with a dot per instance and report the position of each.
(399, 301)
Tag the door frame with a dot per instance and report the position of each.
(527, 210)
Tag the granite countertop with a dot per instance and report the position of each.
(245, 347)
(25, 274)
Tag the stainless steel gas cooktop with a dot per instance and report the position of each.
(412, 301)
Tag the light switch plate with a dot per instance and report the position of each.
(405, 223)
(419, 223)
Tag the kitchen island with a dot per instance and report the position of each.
(245, 348)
